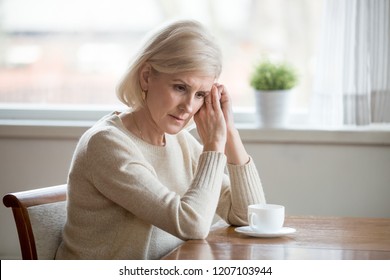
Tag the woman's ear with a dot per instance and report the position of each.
(144, 76)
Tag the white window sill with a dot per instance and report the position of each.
(307, 135)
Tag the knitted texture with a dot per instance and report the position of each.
(128, 199)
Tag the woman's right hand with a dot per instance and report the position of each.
(210, 123)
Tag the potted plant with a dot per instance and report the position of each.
(273, 84)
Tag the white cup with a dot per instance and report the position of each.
(266, 217)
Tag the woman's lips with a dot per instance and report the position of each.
(179, 119)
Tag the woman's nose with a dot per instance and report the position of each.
(187, 104)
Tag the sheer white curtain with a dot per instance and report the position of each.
(352, 80)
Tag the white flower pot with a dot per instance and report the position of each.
(272, 107)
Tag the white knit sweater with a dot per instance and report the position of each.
(128, 199)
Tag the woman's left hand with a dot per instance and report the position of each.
(234, 149)
(226, 105)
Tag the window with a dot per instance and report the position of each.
(57, 52)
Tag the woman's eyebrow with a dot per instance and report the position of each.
(189, 86)
(181, 81)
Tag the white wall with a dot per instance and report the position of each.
(332, 180)
(311, 173)
(27, 164)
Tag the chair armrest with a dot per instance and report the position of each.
(35, 197)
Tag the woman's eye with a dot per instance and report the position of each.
(200, 95)
(180, 88)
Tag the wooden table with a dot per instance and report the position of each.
(316, 238)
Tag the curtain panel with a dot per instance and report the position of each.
(352, 78)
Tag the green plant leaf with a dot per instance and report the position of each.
(273, 76)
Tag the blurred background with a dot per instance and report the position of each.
(65, 57)
(73, 52)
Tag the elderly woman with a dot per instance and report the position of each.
(139, 183)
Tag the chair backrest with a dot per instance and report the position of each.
(40, 216)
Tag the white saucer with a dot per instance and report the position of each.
(250, 232)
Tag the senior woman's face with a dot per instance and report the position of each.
(173, 99)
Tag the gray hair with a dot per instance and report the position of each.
(182, 46)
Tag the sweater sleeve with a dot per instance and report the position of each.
(242, 188)
(120, 174)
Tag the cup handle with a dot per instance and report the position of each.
(251, 216)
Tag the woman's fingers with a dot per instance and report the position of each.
(214, 98)
(220, 90)
(208, 100)
(226, 105)
(211, 123)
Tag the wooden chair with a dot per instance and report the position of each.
(39, 215)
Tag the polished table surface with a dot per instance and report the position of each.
(315, 238)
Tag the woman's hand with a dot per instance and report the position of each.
(226, 105)
(210, 122)
(234, 149)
